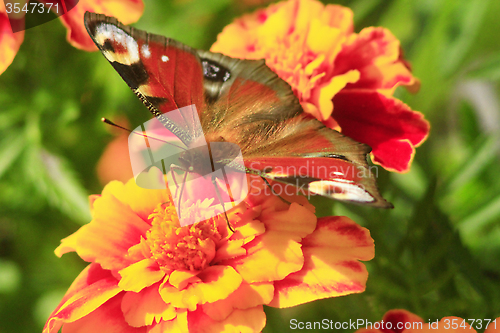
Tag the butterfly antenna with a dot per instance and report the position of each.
(109, 122)
(276, 194)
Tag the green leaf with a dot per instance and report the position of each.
(488, 68)
(474, 164)
(400, 19)
(412, 183)
(481, 218)
(10, 276)
(469, 15)
(10, 148)
(54, 178)
(439, 232)
(362, 8)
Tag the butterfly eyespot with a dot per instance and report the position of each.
(341, 190)
(215, 72)
(338, 156)
(108, 46)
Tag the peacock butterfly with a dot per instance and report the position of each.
(241, 102)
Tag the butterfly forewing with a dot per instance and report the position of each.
(163, 73)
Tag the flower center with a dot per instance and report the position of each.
(180, 248)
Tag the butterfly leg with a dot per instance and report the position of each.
(174, 167)
(276, 194)
(220, 201)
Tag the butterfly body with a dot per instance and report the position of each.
(241, 105)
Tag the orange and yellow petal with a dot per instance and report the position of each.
(276, 253)
(107, 318)
(332, 268)
(177, 325)
(146, 307)
(9, 41)
(215, 283)
(126, 11)
(90, 290)
(245, 297)
(297, 221)
(244, 321)
(386, 124)
(107, 238)
(270, 257)
(140, 275)
(140, 200)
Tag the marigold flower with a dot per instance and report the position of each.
(343, 78)
(147, 274)
(127, 11)
(402, 321)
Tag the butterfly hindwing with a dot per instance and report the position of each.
(238, 101)
(259, 112)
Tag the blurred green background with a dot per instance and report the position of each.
(437, 252)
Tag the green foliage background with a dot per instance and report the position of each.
(437, 252)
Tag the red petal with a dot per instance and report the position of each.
(394, 155)
(400, 316)
(375, 53)
(126, 11)
(387, 125)
(93, 287)
(331, 266)
(9, 41)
